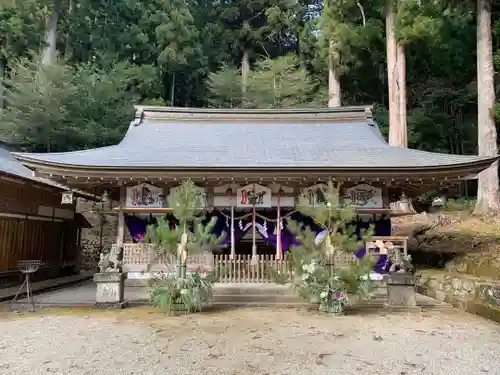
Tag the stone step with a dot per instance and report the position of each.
(254, 289)
(251, 298)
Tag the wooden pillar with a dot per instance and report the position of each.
(254, 235)
(120, 232)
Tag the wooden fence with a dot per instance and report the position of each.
(142, 258)
(139, 258)
(241, 269)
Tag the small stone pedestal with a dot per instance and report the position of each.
(110, 289)
(401, 292)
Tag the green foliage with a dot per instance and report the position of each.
(461, 204)
(279, 83)
(418, 20)
(342, 33)
(21, 28)
(189, 236)
(224, 88)
(198, 41)
(185, 205)
(60, 108)
(316, 277)
(176, 36)
(192, 292)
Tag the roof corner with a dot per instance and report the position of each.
(138, 118)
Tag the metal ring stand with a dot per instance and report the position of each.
(27, 267)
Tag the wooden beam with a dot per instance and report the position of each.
(165, 210)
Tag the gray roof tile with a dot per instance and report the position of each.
(10, 165)
(160, 143)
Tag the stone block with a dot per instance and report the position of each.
(433, 282)
(399, 295)
(110, 288)
(468, 286)
(440, 296)
(456, 284)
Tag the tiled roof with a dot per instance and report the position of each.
(172, 143)
(9, 165)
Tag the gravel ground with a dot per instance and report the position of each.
(247, 341)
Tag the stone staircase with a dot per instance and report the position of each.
(248, 294)
(255, 295)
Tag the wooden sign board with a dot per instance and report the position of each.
(145, 196)
(313, 195)
(201, 196)
(228, 201)
(363, 196)
(67, 197)
(253, 194)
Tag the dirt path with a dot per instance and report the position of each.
(249, 341)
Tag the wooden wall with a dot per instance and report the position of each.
(34, 226)
(26, 198)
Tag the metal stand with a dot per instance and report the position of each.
(27, 267)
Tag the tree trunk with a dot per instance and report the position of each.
(2, 85)
(50, 49)
(392, 77)
(334, 91)
(487, 192)
(68, 49)
(245, 70)
(172, 91)
(402, 135)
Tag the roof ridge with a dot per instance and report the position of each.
(300, 115)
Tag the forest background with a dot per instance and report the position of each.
(71, 70)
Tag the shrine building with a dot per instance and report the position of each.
(273, 155)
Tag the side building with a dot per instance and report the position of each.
(34, 225)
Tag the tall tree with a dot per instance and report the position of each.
(341, 27)
(407, 21)
(488, 190)
(178, 40)
(396, 79)
(279, 83)
(56, 107)
(49, 53)
(20, 29)
(274, 83)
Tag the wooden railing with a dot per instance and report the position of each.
(390, 243)
(139, 257)
(242, 269)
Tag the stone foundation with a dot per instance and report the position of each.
(401, 292)
(472, 294)
(110, 288)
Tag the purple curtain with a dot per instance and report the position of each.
(382, 227)
(137, 226)
(271, 238)
(381, 266)
(267, 229)
(223, 224)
